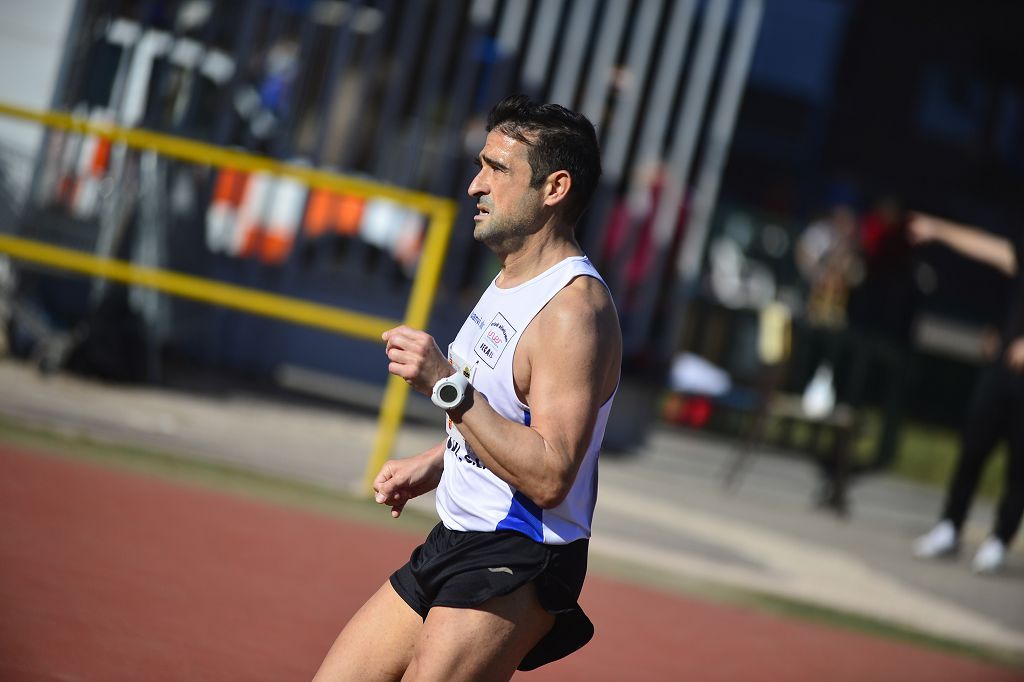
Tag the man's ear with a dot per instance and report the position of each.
(556, 188)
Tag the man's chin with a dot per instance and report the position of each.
(483, 233)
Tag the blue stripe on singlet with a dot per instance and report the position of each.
(524, 516)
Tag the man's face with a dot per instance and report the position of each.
(508, 209)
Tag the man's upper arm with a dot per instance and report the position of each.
(571, 352)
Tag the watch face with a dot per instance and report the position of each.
(448, 393)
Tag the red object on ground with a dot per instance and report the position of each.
(106, 575)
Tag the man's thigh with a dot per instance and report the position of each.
(486, 642)
(376, 644)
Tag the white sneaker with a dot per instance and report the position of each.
(990, 556)
(938, 542)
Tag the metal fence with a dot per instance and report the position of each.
(397, 91)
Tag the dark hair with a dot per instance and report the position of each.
(558, 139)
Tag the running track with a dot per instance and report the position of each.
(109, 576)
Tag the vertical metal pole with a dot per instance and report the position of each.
(430, 86)
(723, 123)
(620, 130)
(370, 63)
(243, 46)
(658, 108)
(150, 250)
(613, 25)
(720, 136)
(512, 25)
(623, 121)
(340, 50)
(409, 36)
(570, 59)
(284, 142)
(72, 44)
(463, 102)
(510, 30)
(481, 12)
(684, 146)
(658, 111)
(545, 28)
(184, 122)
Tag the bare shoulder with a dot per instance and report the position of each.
(583, 305)
(579, 329)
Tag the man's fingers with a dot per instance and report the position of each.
(395, 499)
(400, 355)
(390, 333)
(388, 491)
(384, 484)
(399, 336)
(390, 496)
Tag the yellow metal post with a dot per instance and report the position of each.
(424, 288)
(428, 274)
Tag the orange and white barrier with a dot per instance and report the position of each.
(329, 211)
(250, 224)
(222, 214)
(283, 218)
(409, 242)
(92, 166)
(254, 215)
(393, 228)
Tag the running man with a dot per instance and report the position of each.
(494, 587)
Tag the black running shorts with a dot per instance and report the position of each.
(465, 569)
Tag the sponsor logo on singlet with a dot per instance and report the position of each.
(463, 452)
(494, 340)
(477, 320)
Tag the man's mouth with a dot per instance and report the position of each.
(482, 211)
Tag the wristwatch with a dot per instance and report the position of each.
(450, 391)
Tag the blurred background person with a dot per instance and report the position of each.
(827, 256)
(996, 409)
(881, 312)
(885, 300)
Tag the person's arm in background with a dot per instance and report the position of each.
(1015, 355)
(980, 245)
(972, 242)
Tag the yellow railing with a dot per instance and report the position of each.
(441, 213)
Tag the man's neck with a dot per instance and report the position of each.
(537, 253)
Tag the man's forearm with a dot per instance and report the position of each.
(434, 456)
(515, 453)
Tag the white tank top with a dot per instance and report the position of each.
(470, 497)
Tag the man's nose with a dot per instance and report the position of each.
(477, 187)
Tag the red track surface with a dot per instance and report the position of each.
(110, 576)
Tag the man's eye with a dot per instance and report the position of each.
(478, 163)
